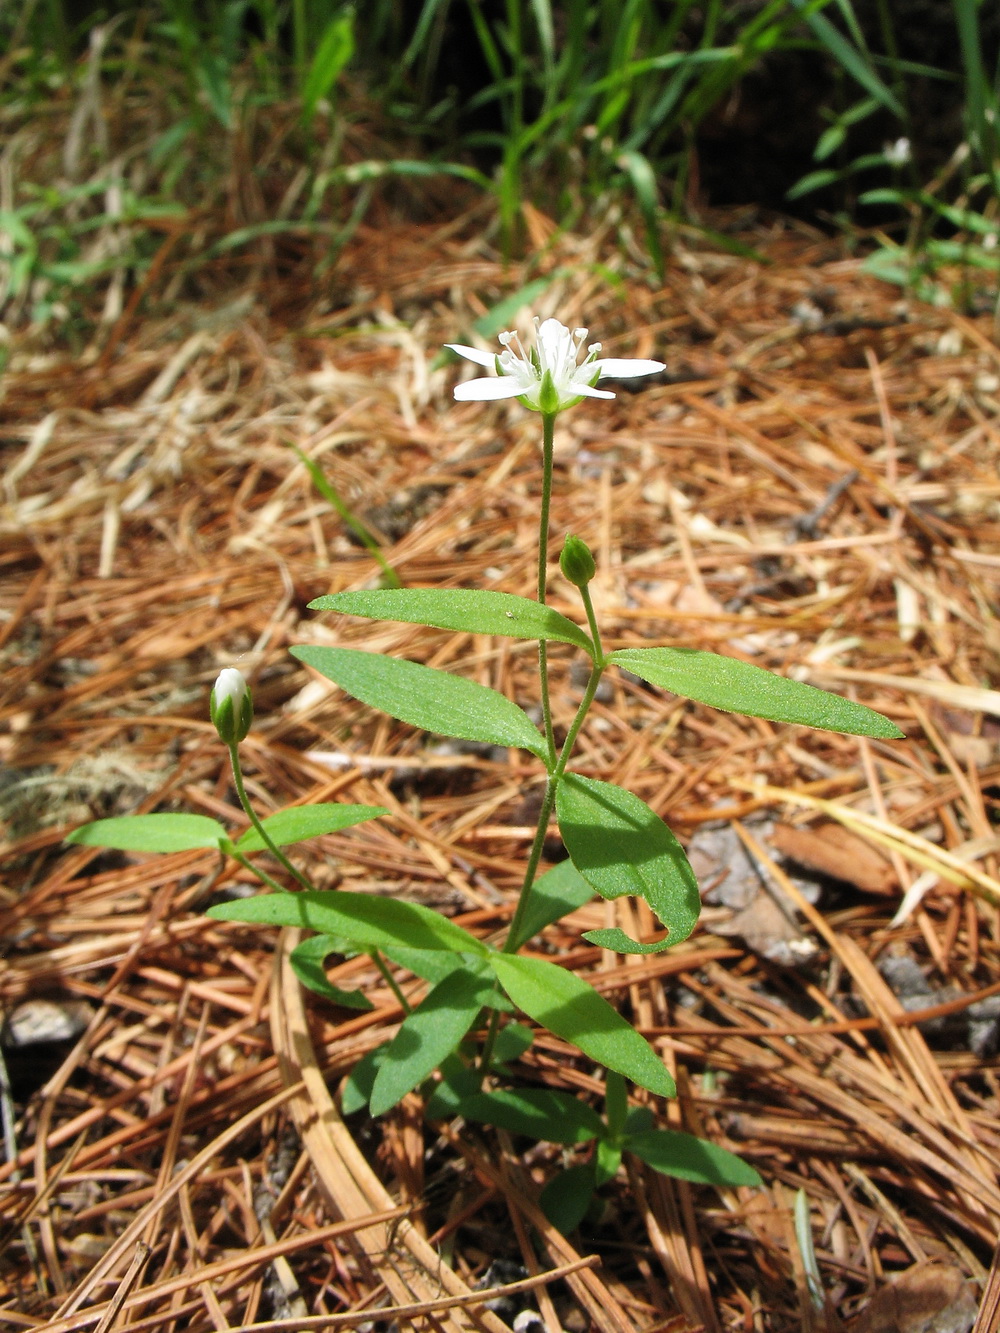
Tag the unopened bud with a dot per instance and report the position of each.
(576, 561)
(231, 706)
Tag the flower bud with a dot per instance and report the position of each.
(576, 561)
(231, 706)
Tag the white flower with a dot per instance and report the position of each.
(897, 154)
(551, 377)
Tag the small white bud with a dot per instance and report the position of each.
(231, 706)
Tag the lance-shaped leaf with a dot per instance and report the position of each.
(541, 1113)
(151, 833)
(307, 961)
(689, 1158)
(367, 921)
(559, 891)
(564, 1003)
(426, 698)
(621, 846)
(476, 611)
(308, 821)
(427, 1035)
(566, 1197)
(739, 687)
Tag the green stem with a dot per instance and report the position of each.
(262, 875)
(512, 943)
(391, 981)
(588, 606)
(251, 814)
(548, 433)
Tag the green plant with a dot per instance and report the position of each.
(617, 844)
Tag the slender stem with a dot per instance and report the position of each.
(548, 433)
(251, 814)
(592, 622)
(391, 981)
(512, 943)
(486, 1054)
(262, 875)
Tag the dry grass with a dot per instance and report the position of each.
(813, 488)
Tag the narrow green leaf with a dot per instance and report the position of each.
(566, 1198)
(372, 923)
(638, 1120)
(307, 961)
(558, 892)
(621, 846)
(308, 821)
(151, 833)
(512, 1041)
(852, 60)
(615, 1103)
(425, 698)
(335, 49)
(571, 1009)
(690, 1158)
(458, 1081)
(540, 1113)
(644, 182)
(427, 1036)
(616, 940)
(333, 497)
(434, 966)
(738, 687)
(360, 1081)
(475, 611)
(607, 1160)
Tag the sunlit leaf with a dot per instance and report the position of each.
(476, 611)
(427, 1035)
(426, 698)
(308, 821)
(690, 1158)
(307, 961)
(739, 687)
(370, 922)
(565, 1004)
(151, 833)
(621, 846)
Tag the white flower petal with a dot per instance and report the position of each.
(487, 390)
(585, 391)
(487, 359)
(625, 369)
